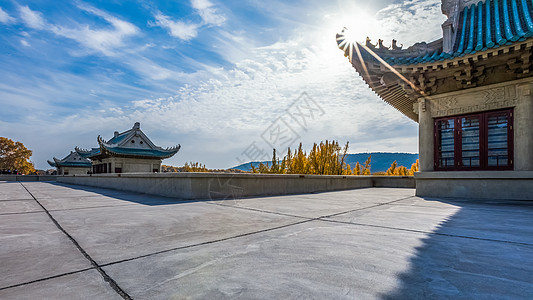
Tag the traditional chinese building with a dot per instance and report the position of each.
(127, 152)
(471, 94)
(72, 164)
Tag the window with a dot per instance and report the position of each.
(482, 141)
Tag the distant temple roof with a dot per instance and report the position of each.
(130, 143)
(71, 160)
(473, 32)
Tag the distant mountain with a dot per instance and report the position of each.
(380, 162)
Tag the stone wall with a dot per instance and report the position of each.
(227, 186)
(28, 177)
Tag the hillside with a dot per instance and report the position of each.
(381, 161)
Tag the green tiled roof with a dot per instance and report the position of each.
(141, 152)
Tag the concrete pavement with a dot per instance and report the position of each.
(62, 241)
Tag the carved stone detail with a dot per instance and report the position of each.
(422, 105)
(520, 66)
(470, 76)
(425, 86)
(489, 99)
(499, 94)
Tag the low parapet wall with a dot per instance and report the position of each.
(222, 185)
(512, 185)
(28, 177)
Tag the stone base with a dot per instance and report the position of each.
(512, 185)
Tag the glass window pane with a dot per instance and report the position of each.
(446, 143)
(497, 150)
(470, 141)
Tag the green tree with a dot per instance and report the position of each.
(15, 156)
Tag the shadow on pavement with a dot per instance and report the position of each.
(483, 251)
(145, 199)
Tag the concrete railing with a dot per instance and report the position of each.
(224, 185)
(4, 177)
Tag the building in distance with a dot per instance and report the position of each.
(128, 152)
(72, 164)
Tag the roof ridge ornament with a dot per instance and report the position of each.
(137, 125)
(395, 45)
(78, 149)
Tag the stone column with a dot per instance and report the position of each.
(425, 135)
(523, 128)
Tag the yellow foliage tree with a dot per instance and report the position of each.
(194, 167)
(391, 169)
(357, 169)
(395, 170)
(14, 156)
(400, 171)
(326, 158)
(366, 168)
(414, 168)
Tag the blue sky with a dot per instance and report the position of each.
(212, 76)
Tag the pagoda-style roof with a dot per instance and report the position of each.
(132, 143)
(71, 160)
(493, 36)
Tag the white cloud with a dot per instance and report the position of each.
(32, 19)
(5, 17)
(403, 21)
(105, 41)
(25, 43)
(207, 12)
(179, 29)
(187, 30)
(215, 118)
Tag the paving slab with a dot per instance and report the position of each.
(32, 248)
(321, 204)
(383, 244)
(13, 191)
(124, 232)
(499, 222)
(19, 206)
(79, 286)
(43, 190)
(79, 202)
(334, 261)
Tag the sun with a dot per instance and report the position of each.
(359, 26)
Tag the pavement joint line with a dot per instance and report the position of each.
(103, 206)
(363, 208)
(428, 232)
(303, 217)
(208, 242)
(306, 220)
(259, 210)
(46, 278)
(106, 277)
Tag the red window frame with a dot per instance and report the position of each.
(483, 141)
